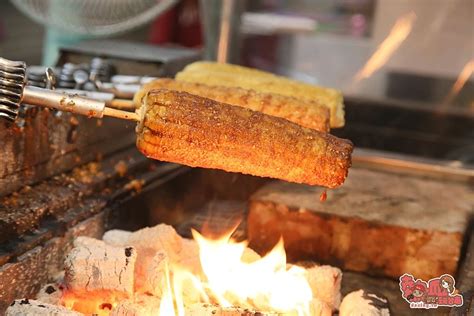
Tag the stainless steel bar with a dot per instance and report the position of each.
(375, 159)
(63, 101)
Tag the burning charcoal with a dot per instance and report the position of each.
(51, 294)
(154, 278)
(100, 267)
(209, 309)
(189, 257)
(148, 241)
(161, 237)
(98, 303)
(320, 308)
(203, 309)
(317, 308)
(363, 303)
(325, 282)
(26, 307)
(140, 306)
(117, 237)
(191, 294)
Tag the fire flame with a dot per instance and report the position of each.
(385, 50)
(465, 74)
(232, 278)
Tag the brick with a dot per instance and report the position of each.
(379, 223)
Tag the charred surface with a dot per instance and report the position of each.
(199, 132)
(60, 201)
(91, 201)
(43, 143)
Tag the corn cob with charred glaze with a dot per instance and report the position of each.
(304, 113)
(237, 76)
(184, 128)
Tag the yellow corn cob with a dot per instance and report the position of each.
(237, 76)
(302, 112)
(185, 128)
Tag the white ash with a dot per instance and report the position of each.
(154, 278)
(84, 241)
(361, 303)
(161, 237)
(94, 266)
(148, 241)
(188, 257)
(142, 305)
(325, 283)
(26, 307)
(117, 237)
(50, 293)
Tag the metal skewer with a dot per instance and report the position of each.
(13, 92)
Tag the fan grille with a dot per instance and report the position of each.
(93, 17)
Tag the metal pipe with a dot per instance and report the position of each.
(63, 101)
(399, 163)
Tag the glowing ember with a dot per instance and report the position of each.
(100, 304)
(398, 34)
(204, 276)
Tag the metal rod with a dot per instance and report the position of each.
(224, 36)
(63, 101)
(399, 163)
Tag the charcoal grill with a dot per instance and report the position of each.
(64, 176)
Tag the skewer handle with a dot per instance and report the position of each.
(122, 104)
(125, 115)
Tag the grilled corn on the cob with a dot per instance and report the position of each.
(188, 129)
(304, 113)
(237, 76)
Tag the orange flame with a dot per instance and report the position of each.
(236, 276)
(385, 50)
(167, 306)
(177, 282)
(230, 277)
(264, 284)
